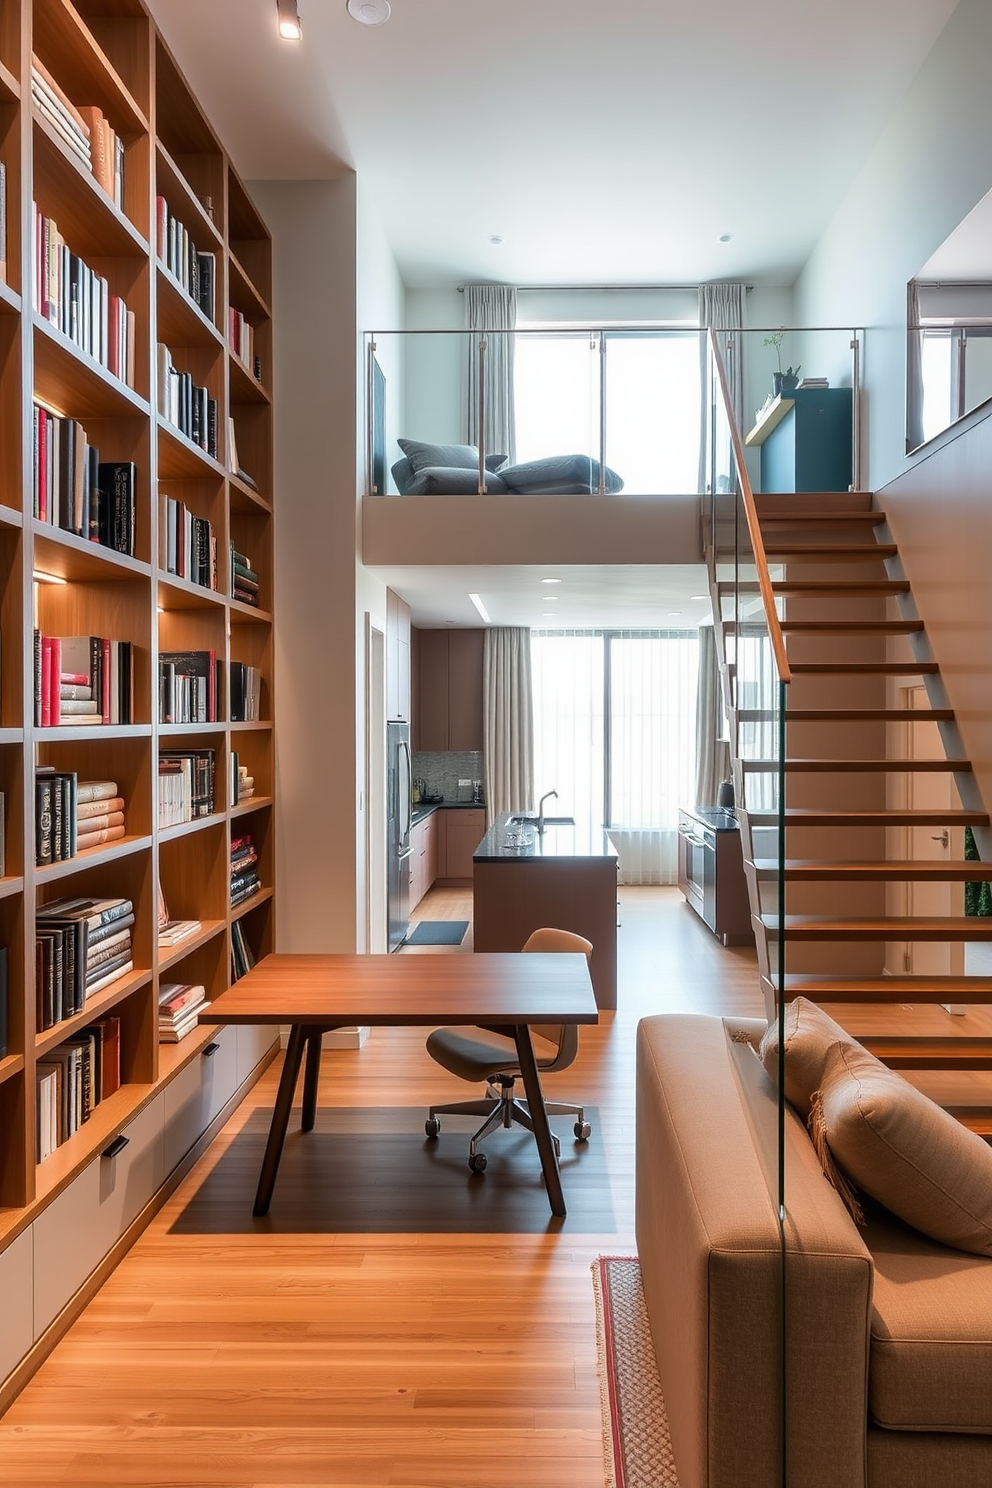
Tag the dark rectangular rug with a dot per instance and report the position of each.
(438, 932)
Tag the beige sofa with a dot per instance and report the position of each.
(888, 1335)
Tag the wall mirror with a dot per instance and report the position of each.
(949, 329)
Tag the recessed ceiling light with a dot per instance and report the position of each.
(673, 612)
(699, 596)
(477, 601)
(369, 12)
(289, 20)
(551, 581)
(495, 239)
(725, 237)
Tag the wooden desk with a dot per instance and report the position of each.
(505, 990)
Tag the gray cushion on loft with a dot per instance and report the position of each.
(450, 456)
(560, 474)
(443, 480)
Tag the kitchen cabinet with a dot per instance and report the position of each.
(711, 873)
(449, 700)
(423, 856)
(459, 834)
(397, 657)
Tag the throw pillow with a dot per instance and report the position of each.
(432, 456)
(445, 480)
(809, 1036)
(402, 473)
(905, 1151)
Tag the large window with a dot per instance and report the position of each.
(652, 402)
(615, 734)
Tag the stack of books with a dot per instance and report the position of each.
(242, 957)
(244, 868)
(241, 336)
(61, 115)
(72, 1079)
(77, 300)
(187, 544)
(246, 686)
(244, 579)
(185, 785)
(72, 814)
(81, 946)
(187, 687)
(195, 271)
(814, 382)
(82, 680)
(186, 405)
(75, 490)
(179, 1005)
(173, 932)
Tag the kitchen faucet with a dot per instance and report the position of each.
(540, 809)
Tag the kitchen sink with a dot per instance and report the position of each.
(530, 819)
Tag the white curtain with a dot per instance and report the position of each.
(491, 307)
(914, 368)
(712, 752)
(723, 306)
(508, 720)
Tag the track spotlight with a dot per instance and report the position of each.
(290, 28)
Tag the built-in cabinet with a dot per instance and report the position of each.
(135, 308)
(424, 836)
(460, 832)
(398, 690)
(711, 873)
(449, 690)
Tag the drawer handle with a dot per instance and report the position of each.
(117, 1145)
(210, 1050)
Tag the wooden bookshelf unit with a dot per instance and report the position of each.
(103, 274)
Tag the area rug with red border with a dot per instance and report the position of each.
(636, 1444)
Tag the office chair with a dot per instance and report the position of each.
(483, 1054)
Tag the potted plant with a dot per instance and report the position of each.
(787, 381)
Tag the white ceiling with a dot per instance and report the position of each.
(604, 144)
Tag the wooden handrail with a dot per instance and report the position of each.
(751, 514)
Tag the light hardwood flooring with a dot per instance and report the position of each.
(396, 1321)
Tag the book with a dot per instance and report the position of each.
(174, 932)
(98, 836)
(187, 687)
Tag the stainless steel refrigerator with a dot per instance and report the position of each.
(399, 764)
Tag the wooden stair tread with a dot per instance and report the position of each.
(851, 715)
(848, 627)
(869, 518)
(829, 551)
(797, 869)
(809, 816)
(916, 927)
(931, 1053)
(862, 668)
(894, 766)
(840, 588)
(894, 989)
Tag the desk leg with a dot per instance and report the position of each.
(280, 1118)
(539, 1116)
(311, 1078)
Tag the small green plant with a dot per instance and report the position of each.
(775, 340)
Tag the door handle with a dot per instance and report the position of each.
(943, 839)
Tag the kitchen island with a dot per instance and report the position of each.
(565, 878)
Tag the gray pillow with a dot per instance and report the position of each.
(402, 473)
(445, 480)
(562, 474)
(433, 456)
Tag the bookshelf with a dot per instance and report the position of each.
(205, 294)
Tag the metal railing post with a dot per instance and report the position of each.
(601, 489)
(369, 421)
(856, 484)
(483, 343)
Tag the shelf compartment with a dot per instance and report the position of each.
(127, 762)
(12, 764)
(82, 63)
(169, 956)
(16, 1159)
(244, 295)
(96, 1007)
(120, 29)
(11, 449)
(58, 1171)
(247, 235)
(13, 624)
(257, 922)
(255, 752)
(184, 204)
(202, 962)
(72, 383)
(179, 457)
(181, 322)
(245, 387)
(118, 440)
(175, 593)
(194, 873)
(117, 607)
(246, 501)
(67, 191)
(131, 877)
(199, 824)
(185, 134)
(253, 433)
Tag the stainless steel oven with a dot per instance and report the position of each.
(697, 866)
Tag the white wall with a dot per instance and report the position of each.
(926, 171)
(316, 474)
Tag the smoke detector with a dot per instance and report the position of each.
(369, 12)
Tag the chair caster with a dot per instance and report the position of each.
(582, 1130)
(432, 1126)
(477, 1162)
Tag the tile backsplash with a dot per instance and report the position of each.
(441, 771)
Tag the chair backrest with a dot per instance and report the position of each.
(564, 1035)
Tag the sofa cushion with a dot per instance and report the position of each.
(931, 1333)
(809, 1036)
(905, 1151)
(422, 455)
(561, 475)
(445, 480)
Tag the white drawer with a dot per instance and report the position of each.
(254, 1042)
(16, 1288)
(198, 1092)
(75, 1232)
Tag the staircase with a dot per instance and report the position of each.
(867, 915)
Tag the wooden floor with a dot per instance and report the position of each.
(396, 1320)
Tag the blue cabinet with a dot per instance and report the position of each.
(805, 441)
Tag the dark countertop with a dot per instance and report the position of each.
(420, 809)
(720, 818)
(582, 840)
